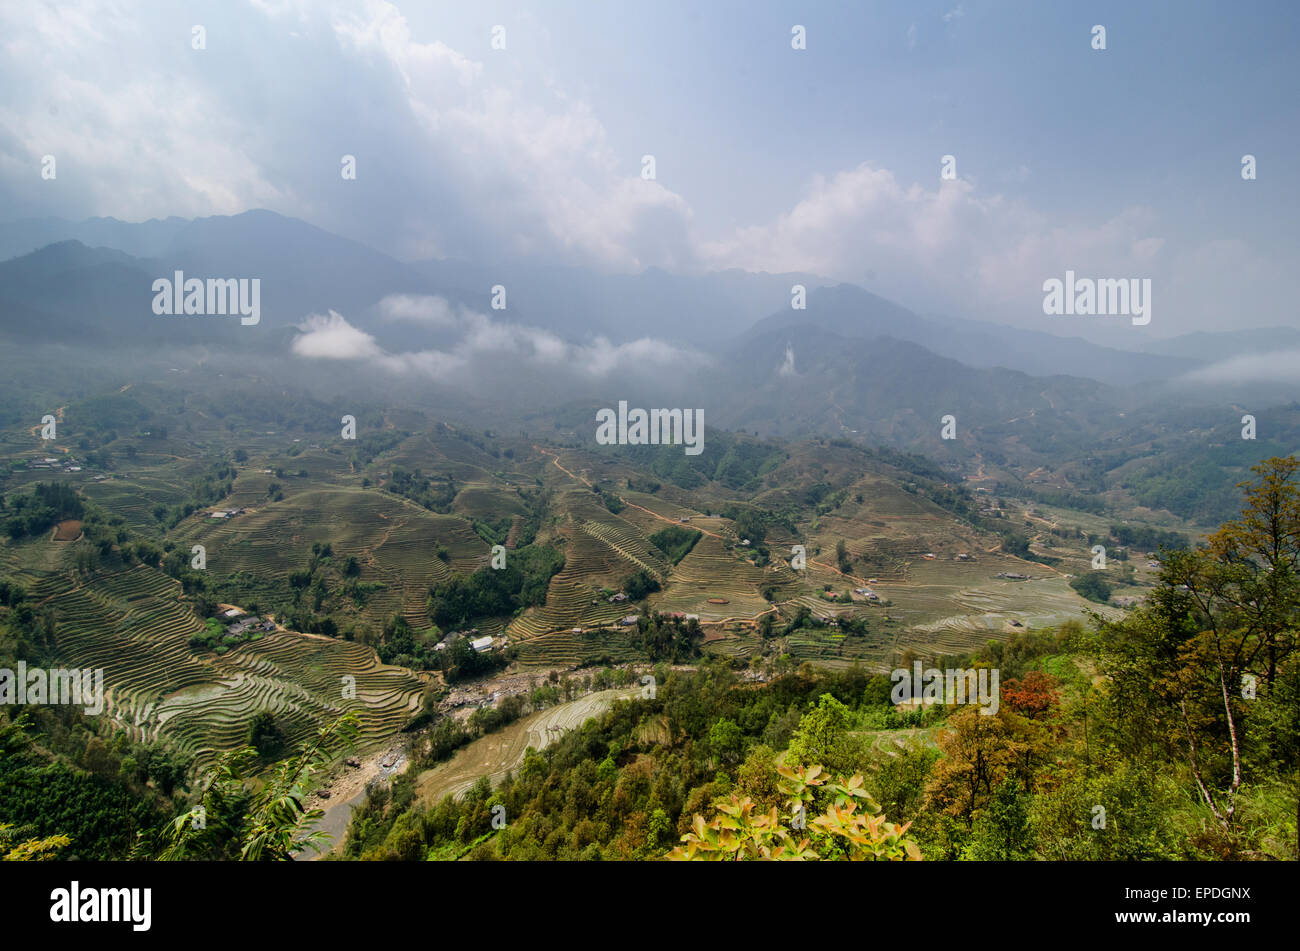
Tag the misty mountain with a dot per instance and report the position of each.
(850, 311)
(896, 391)
(97, 279)
(696, 310)
(1204, 347)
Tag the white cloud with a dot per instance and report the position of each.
(787, 365)
(450, 160)
(331, 337)
(947, 247)
(419, 309)
(1280, 367)
(483, 344)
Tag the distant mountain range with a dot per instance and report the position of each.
(90, 281)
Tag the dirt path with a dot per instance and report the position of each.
(347, 790)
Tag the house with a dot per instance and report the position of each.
(745, 542)
(482, 644)
(630, 620)
(577, 630)
(684, 518)
(928, 556)
(267, 625)
(962, 556)
(618, 598)
(232, 613)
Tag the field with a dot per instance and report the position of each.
(134, 625)
(293, 486)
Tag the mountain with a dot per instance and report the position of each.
(853, 312)
(698, 310)
(1213, 347)
(306, 270)
(889, 390)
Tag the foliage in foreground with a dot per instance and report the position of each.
(850, 827)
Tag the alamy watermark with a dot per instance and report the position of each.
(78, 904)
(655, 427)
(82, 687)
(1105, 297)
(953, 685)
(216, 296)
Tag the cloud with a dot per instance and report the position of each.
(464, 153)
(1282, 366)
(331, 337)
(453, 159)
(419, 309)
(787, 365)
(484, 346)
(953, 248)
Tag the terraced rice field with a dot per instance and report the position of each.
(711, 571)
(834, 649)
(133, 625)
(618, 645)
(395, 541)
(989, 604)
(590, 564)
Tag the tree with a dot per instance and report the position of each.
(849, 827)
(1262, 547)
(1033, 695)
(1092, 586)
(271, 824)
(979, 752)
(821, 737)
(1221, 615)
(640, 584)
(1002, 833)
(29, 850)
(726, 741)
(265, 735)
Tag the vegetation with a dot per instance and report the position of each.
(1092, 586)
(675, 541)
(491, 592)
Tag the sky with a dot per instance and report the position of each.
(1116, 163)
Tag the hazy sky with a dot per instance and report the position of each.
(1117, 163)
